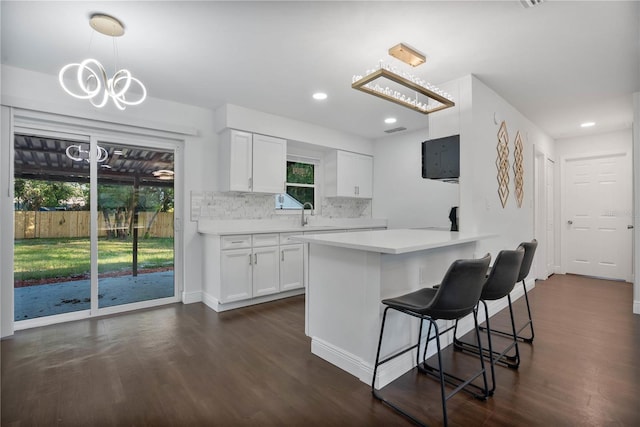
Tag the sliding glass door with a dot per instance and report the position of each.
(52, 253)
(94, 225)
(135, 224)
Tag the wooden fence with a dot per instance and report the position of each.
(51, 224)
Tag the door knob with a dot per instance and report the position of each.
(569, 222)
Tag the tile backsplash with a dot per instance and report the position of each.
(222, 205)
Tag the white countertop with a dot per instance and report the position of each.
(398, 241)
(230, 227)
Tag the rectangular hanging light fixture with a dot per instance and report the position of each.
(407, 54)
(412, 92)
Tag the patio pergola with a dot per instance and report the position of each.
(52, 159)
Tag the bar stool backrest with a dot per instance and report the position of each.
(503, 275)
(460, 289)
(529, 252)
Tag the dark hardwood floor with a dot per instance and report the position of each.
(185, 365)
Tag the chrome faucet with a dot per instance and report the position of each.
(303, 221)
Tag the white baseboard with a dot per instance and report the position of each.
(216, 305)
(191, 297)
(210, 301)
(361, 369)
(404, 363)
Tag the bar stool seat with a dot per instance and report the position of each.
(456, 297)
(529, 252)
(499, 284)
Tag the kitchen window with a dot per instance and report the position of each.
(300, 186)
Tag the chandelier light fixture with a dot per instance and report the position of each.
(90, 77)
(77, 153)
(405, 89)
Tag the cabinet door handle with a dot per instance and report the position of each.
(255, 259)
(282, 255)
(250, 183)
(249, 259)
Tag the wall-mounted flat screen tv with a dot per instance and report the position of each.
(441, 158)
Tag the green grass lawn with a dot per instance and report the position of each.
(65, 257)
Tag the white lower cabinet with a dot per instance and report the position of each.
(253, 268)
(236, 274)
(266, 271)
(257, 265)
(291, 263)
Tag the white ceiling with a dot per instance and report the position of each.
(560, 63)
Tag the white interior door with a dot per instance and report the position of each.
(549, 220)
(598, 214)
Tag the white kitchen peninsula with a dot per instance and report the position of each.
(250, 262)
(350, 273)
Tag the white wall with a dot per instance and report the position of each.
(593, 145)
(481, 209)
(636, 200)
(397, 175)
(236, 117)
(401, 195)
(41, 92)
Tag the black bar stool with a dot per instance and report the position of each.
(529, 252)
(456, 297)
(499, 284)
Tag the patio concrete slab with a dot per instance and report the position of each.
(65, 297)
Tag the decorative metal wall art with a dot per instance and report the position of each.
(502, 163)
(518, 169)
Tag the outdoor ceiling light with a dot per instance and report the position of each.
(163, 174)
(91, 77)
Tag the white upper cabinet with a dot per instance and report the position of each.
(239, 161)
(269, 164)
(252, 163)
(348, 175)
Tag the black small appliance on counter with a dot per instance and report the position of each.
(453, 217)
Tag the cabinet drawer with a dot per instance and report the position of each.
(236, 241)
(265, 240)
(324, 232)
(285, 238)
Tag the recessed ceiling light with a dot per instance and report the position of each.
(390, 120)
(319, 96)
(587, 124)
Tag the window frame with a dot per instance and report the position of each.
(316, 181)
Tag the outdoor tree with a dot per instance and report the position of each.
(120, 202)
(156, 199)
(33, 194)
